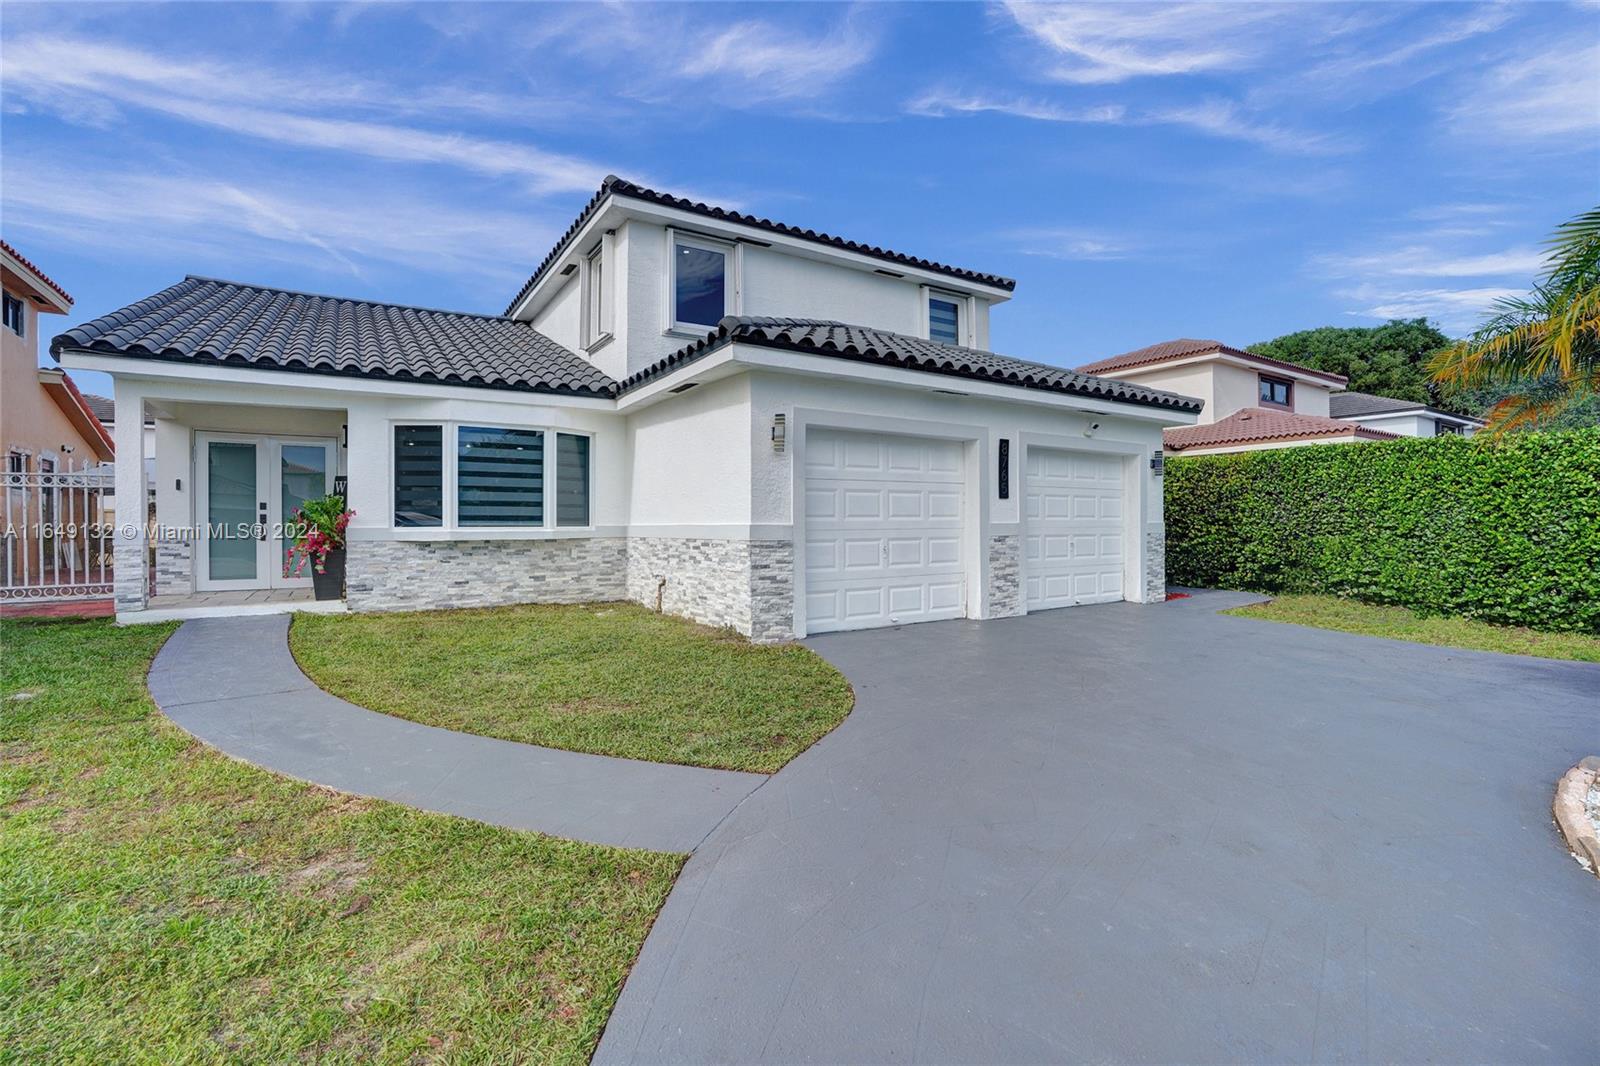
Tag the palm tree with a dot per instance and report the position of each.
(1545, 346)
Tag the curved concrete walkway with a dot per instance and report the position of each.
(232, 683)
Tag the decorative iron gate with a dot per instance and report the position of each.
(58, 534)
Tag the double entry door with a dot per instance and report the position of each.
(246, 491)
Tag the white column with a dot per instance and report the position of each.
(130, 544)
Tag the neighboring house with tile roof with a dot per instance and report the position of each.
(45, 422)
(749, 423)
(1405, 418)
(1251, 401)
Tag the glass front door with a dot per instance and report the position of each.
(248, 489)
(232, 552)
(304, 473)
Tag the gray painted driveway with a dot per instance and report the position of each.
(1145, 834)
(232, 683)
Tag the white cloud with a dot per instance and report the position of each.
(1105, 43)
(114, 212)
(781, 63)
(1372, 55)
(85, 81)
(1217, 118)
(940, 103)
(1457, 311)
(1067, 243)
(1420, 261)
(1542, 96)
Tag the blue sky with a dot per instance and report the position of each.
(1145, 171)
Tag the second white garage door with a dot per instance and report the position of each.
(883, 530)
(1072, 547)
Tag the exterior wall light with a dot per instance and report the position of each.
(779, 431)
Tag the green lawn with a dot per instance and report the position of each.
(1402, 623)
(162, 903)
(616, 679)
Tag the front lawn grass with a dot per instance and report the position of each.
(613, 679)
(162, 903)
(1402, 623)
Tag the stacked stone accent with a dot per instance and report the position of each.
(1155, 564)
(130, 571)
(771, 591)
(174, 567)
(1005, 575)
(405, 575)
(706, 580)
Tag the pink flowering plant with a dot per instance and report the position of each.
(318, 528)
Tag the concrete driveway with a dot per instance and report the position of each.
(1145, 834)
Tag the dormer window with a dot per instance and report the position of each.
(699, 282)
(1276, 392)
(944, 319)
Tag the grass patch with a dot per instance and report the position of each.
(614, 679)
(1402, 623)
(162, 903)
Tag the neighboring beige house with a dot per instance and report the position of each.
(1251, 402)
(45, 423)
(1407, 418)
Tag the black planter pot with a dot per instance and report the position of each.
(330, 585)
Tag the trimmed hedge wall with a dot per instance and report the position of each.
(1503, 530)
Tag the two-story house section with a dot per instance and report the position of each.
(1251, 401)
(641, 272)
(741, 421)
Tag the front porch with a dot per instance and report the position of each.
(224, 482)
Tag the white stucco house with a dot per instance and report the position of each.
(743, 422)
(1251, 402)
(1405, 418)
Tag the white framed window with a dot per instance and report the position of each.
(596, 327)
(468, 477)
(701, 284)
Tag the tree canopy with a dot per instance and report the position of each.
(1386, 360)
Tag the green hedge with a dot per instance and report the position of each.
(1505, 530)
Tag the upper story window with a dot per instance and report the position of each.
(16, 463)
(1276, 392)
(16, 315)
(596, 324)
(490, 477)
(944, 320)
(699, 282)
(1441, 427)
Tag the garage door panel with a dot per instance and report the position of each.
(894, 527)
(1073, 543)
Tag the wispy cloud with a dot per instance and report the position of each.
(1214, 117)
(782, 63)
(88, 82)
(1072, 244)
(1458, 311)
(1551, 95)
(112, 212)
(1097, 44)
(1418, 261)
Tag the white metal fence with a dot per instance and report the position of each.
(58, 534)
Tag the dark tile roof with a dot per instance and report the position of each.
(615, 186)
(1262, 425)
(1185, 347)
(103, 407)
(204, 320)
(820, 337)
(25, 261)
(1348, 404)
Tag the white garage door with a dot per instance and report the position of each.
(883, 530)
(1073, 536)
